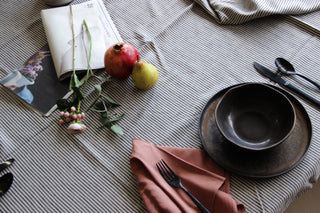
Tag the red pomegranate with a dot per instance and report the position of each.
(119, 59)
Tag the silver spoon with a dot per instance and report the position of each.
(5, 164)
(5, 183)
(287, 68)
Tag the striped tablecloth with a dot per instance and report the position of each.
(196, 58)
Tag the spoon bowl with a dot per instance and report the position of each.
(5, 183)
(285, 67)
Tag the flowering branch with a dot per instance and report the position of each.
(73, 115)
(69, 113)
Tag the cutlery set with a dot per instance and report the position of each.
(285, 66)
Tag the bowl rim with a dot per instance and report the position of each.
(248, 147)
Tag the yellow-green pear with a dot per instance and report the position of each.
(144, 75)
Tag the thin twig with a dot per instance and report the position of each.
(85, 47)
(90, 50)
(74, 48)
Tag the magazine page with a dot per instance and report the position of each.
(36, 82)
(59, 24)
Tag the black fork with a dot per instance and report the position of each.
(173, 180)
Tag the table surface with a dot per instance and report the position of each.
(196, 58)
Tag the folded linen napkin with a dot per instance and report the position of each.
(240, 11)
(199, 174)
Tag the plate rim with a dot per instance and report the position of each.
(297, 105)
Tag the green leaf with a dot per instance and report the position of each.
(110, 100)
(100, 106)
(117, 129)
(71, 84)
(63, 104)
(98, 88)
(106, 121)
(105, 115)
(74, 81)
(97, 110)
(78, 93)
(77, 83)
(76, 97)
(93, 103)
(117, 118)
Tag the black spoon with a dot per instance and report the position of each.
(5, 164)
(287, 68)
(5, 183)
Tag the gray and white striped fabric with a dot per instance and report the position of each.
(236, 12)
(196, 58)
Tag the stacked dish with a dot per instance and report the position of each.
(255, 116)
(255, 130)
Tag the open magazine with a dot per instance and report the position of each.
(36, 82)
(63, 24)
(40, 81)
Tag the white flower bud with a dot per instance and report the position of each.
(75, 128)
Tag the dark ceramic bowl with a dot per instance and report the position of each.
(255, 116)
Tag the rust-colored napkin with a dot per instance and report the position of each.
(199, 174)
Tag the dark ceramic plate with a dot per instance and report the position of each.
(257, 164)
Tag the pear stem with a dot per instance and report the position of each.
(138, 58)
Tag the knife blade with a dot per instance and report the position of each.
(272, 76)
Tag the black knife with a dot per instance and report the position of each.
(271, 75)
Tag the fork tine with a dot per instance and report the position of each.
(165, 170)
(174, 180)
(168, 169)
(160, 169)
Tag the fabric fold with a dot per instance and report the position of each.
(240, 11)
(199, 174)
